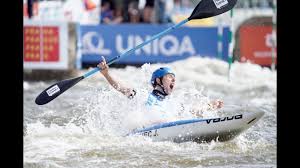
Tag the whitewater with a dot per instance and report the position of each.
(85, 126)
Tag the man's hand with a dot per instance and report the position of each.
(216, 104)
(103, 66)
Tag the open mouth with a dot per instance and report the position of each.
(171, 86)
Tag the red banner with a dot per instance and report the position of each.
(41, 43)
(256, 45)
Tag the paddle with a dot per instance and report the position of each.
(204, 9)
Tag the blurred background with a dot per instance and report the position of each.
(67, 35)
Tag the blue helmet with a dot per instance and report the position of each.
(160, 73)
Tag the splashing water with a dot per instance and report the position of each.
(85, 126)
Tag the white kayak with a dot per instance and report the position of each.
(201, 130)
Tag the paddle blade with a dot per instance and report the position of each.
(55, 90)
(209, 8)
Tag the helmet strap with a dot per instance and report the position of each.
(162, 86)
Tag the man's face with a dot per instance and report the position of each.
(168, 81)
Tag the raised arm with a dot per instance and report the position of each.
(130, 93)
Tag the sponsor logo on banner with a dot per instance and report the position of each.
(270, 39)
(220, 3)
(256, 44)
(111, 41)
(53, 90)
(34, 36)
(159, 46)
(90, 48)
(45, 45)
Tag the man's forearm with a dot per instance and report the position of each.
(115, 84)
(112, 82)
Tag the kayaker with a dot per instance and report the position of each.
(162, 81)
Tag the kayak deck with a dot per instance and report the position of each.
(200, 130)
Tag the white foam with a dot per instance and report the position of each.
(93, 117)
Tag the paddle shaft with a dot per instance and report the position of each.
(138, 46)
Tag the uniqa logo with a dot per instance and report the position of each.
(90, 48)
(168, 45)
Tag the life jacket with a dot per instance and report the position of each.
(156, 97)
